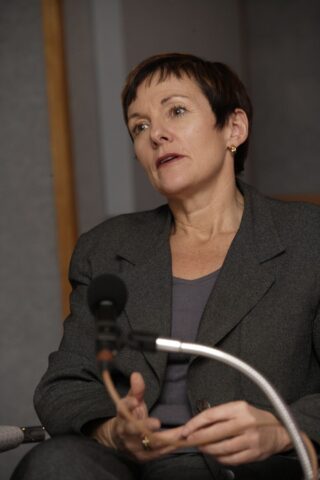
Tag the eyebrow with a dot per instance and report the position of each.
(163, 102)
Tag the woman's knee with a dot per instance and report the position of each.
(73, 457)
(60, 457)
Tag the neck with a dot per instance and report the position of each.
(208, 213)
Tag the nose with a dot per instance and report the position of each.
(159, 134)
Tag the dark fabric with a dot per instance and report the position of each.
(75, 457)
(264, 309)
(189, 298)
(180, 467)
(278, 467)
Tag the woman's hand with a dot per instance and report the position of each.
(237, 432)
(123, 435)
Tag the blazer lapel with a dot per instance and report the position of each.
(243, 279)
(146, 270)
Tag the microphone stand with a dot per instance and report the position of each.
(115, 340)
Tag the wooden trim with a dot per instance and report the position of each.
(60, 137)
(300, 198)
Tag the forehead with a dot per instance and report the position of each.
(153, 90)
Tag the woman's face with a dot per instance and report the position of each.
(175, 138)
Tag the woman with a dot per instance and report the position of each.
(219, 264)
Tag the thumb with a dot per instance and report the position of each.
(137, 386)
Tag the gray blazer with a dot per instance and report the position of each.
(264, 308)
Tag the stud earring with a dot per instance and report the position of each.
(232, 149)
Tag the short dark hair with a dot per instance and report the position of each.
(220, 85)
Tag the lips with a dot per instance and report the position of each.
(169, 157)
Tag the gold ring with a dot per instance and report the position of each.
(146, 443)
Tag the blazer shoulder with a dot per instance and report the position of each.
(297, 222)
(300, 214)
(117, 230)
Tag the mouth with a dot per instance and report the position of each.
(165, 159)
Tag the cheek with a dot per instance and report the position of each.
(199, 141)
(144, 161)
(197, 134)
(191, 132)
(140, 155)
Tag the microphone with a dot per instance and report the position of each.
(11, 437)
(107, 296)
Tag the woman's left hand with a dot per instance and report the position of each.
(236, 433)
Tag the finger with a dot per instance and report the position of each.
(126, 403)
(131, 404)
(215, 433)
(143, 456)
(154, 452)
(134, 447)
(139, 427)
(199, 421)
(226, 447)
(233, 410)
(140, 412)
(159, 452)
(166, 437)
(159, 444)
(137, 386)
(132, 442)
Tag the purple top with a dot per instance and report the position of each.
(189, 298)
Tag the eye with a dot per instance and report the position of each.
(138, 128)
(177, 111)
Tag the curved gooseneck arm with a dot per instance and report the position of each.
(169, 345)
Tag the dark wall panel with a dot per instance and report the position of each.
(283, 45)
(30, 320)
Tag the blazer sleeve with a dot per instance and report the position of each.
(306, 410)
(71, 393)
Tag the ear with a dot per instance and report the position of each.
(238, 127)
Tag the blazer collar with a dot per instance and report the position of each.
(243, 279)
(258, 224)
(149, 234)
(257, 229)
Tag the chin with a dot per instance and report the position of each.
(173, 185)
(174, 190)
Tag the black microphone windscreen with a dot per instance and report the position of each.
(107, 287)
